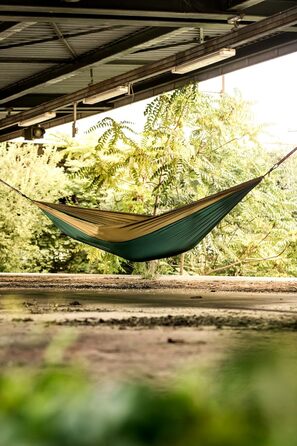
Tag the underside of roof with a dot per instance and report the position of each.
(56, 53)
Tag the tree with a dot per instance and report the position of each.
(194, 145)
(28, 241)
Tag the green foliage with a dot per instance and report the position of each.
(28, 241)
(38, 176)
(192, 145)
(250, 399)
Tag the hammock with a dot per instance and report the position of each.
(140, 238)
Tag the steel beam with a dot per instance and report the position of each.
(173, 14)
(32, 42)
(32, 60)
(186, 21)
(102, 54)
(19, 132)
(233, 39)
(6, 26)
(64, 41)
(114, 5)
(242, 5)
(35, 99)
(51, 60)
(9, 29)
(242, 60)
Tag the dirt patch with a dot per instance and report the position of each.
(112, 353)
(98, 281)
(217, 321)
(120, 327)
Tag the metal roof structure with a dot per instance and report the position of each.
(56, 53)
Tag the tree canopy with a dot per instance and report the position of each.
(192, 145)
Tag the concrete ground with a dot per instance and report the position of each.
(123, 326)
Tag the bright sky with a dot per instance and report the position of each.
(270, 86)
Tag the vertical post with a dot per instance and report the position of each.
(74, 128)
(181, 264)
(223, 90)
(201, 35)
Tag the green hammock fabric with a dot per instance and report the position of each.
(139, 237)
(143, 237)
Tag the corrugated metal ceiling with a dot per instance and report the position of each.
(48, 58)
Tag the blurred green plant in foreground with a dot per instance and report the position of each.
(249, 400)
